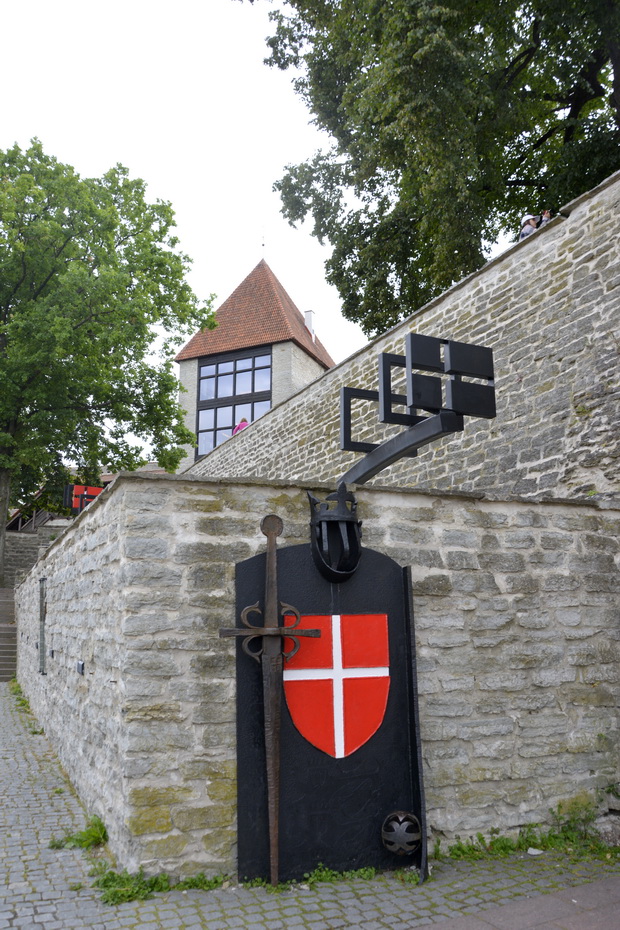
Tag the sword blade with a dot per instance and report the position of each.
(272, 684)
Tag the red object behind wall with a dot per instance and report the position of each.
(77, 496)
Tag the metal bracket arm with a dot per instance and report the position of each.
(442, 424)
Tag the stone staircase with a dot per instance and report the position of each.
(22, 551)
(8, 635)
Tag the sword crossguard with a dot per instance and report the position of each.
(260, 631)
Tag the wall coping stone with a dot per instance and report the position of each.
(601, 502)
(598, 502)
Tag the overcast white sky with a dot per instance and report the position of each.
(177, 92)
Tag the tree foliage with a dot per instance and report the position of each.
(90, 275)
(449, 121)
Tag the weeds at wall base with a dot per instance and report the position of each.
(572, 834)
(321, 873)
(23, 704)
(93, 835)
(120, 887)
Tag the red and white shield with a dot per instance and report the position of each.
(337, 685)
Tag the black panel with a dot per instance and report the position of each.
(470, 399)
(423, 352)
(465, 359)
(331, 810)
(425, 393)
(347, 394)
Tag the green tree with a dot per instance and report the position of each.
(90, 276)
(449, 121)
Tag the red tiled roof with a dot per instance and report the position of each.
(259, 312)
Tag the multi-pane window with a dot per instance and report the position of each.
(231, 387)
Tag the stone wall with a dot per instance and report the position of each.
(549, 307)
(516, 635)
(292, 369)
(145, 733)
(188, 398)
(83, 617)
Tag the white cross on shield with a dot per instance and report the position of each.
(337, 686)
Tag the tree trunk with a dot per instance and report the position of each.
(609, 24)
(614, 52)
(5, 488)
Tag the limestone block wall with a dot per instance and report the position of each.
(516, 631)
(81, 617)
(136, 591)
(188, 398)
(517, 638)
(292, 369)
(550, 309)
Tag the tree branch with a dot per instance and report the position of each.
(18, 285)
(519, 64)
(532, 148)
(587, 88)
(58, 253)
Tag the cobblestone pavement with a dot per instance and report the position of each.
(51, 889)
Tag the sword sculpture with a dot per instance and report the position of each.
(271, 654)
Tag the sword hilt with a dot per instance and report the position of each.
(261, 631)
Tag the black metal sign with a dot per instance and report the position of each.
(467, 389)
(350, 780)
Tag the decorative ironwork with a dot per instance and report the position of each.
(446, 400)
(401, 833)
(335, 534)
(271, 654)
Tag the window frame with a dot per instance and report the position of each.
(229, 400)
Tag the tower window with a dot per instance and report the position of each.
(231, 387)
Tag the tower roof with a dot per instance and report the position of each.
(259, 312)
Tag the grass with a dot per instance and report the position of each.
(93, 835)
(572, 833)
(407, 876)
(323, 874)
(319, 874)
(120, 887)
(20, 698)
(24, 705)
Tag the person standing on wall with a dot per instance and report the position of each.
(529, 224)
(240, 425)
